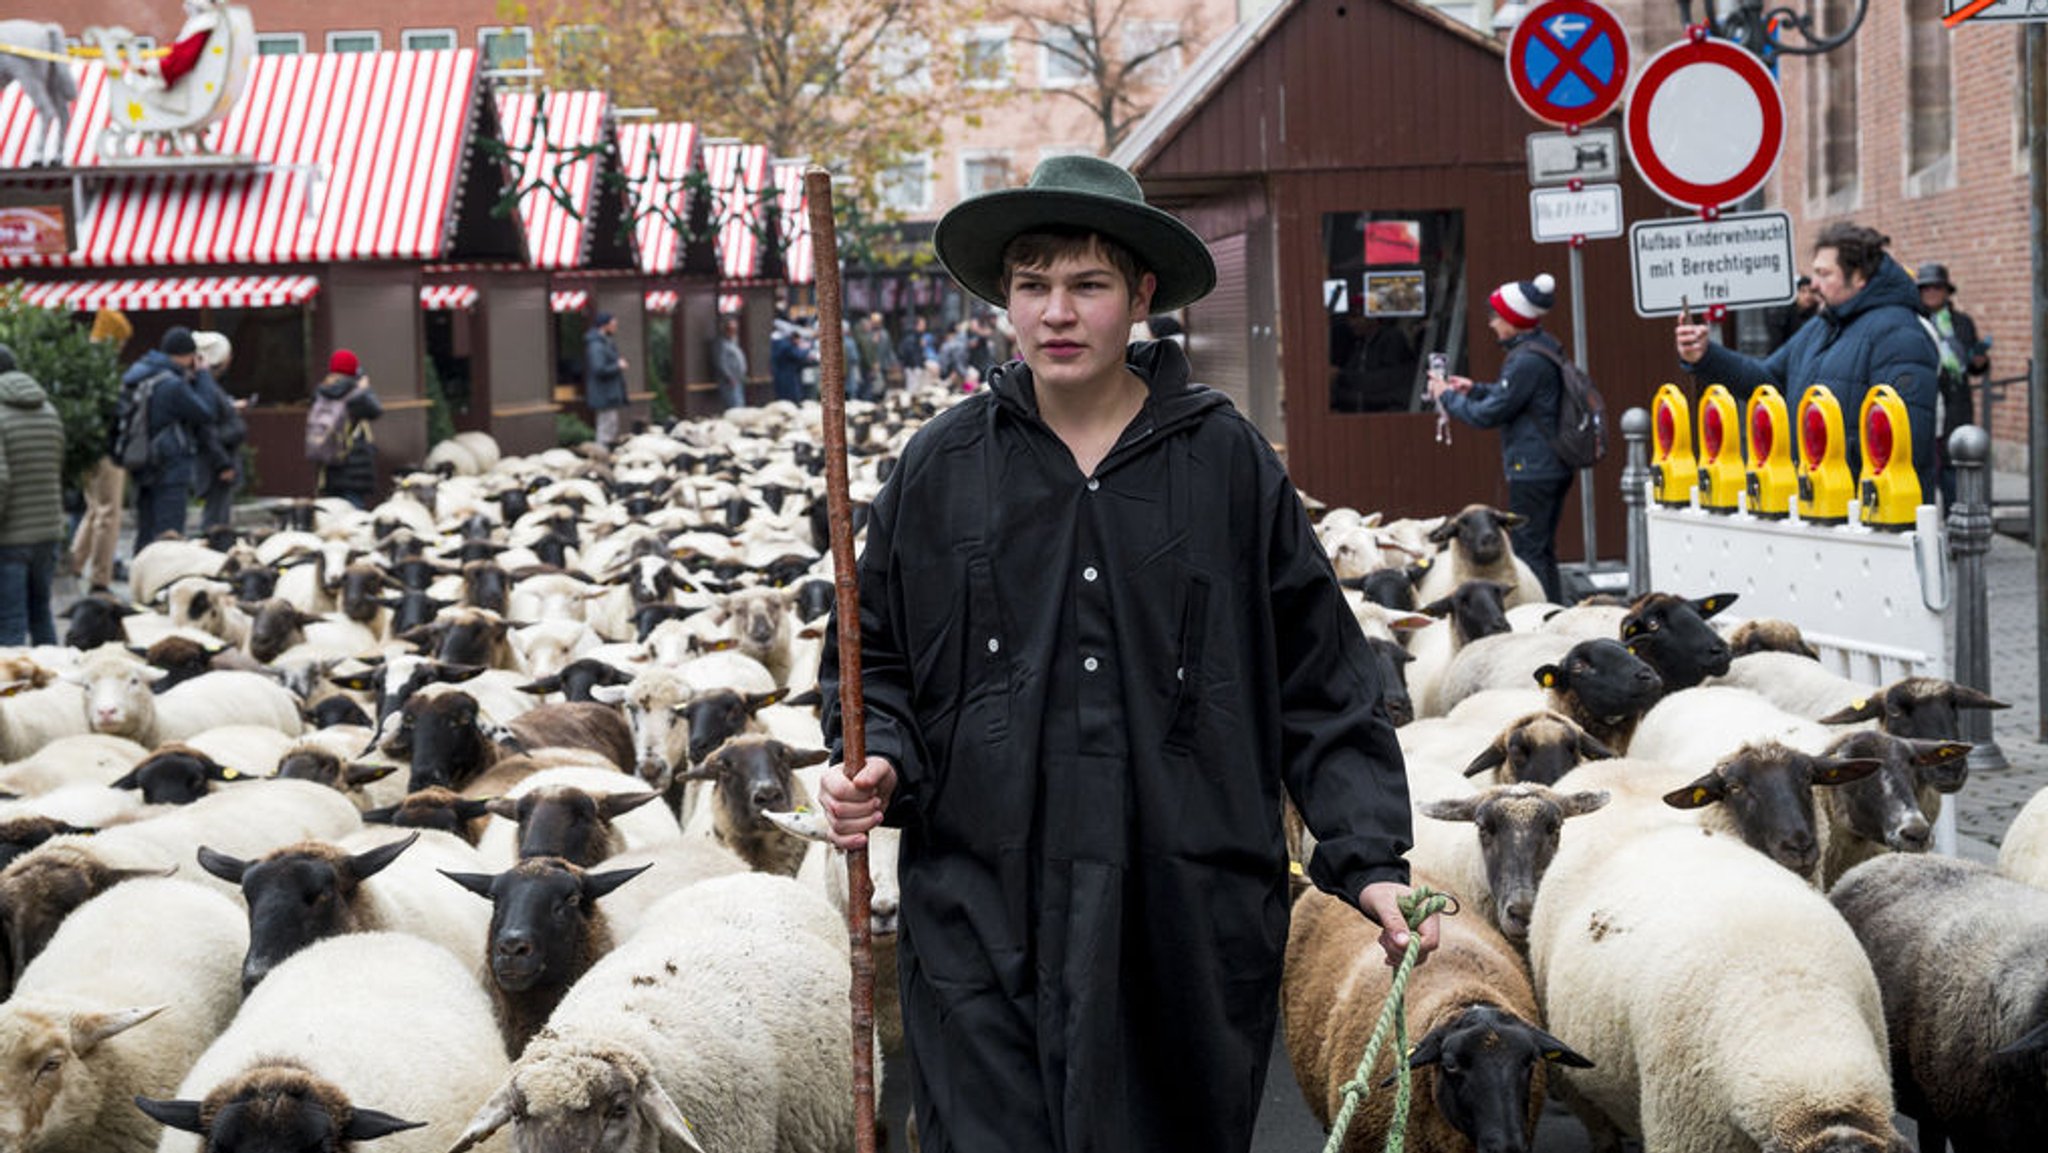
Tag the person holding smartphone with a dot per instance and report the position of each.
(1523, 405)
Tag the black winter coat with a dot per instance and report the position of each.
(1522, 404)
(356, 474)
(1095, 689)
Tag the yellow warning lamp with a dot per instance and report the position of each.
(1825, 487)
(1771, 479)
(1673, 470)
(1720, 450)
(1888, 487)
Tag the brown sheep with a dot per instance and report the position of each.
(1479, 1053)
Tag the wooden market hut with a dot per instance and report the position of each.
(336, 179)
(678, 255)
(1359, 170)
(745, 205)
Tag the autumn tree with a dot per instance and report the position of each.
(857, 85)
(1109, 55)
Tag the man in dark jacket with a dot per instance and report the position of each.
(180, 412)
(354, 477)
(222, 443)
(1523, 405)
(789, 352)
(604, 376)
(1098, 641)
(31, 505)
(1963, 356)
(1869, 332)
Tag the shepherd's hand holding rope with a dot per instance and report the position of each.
(1382, 903)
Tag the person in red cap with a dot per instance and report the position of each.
(338, 439)
(1523, 405)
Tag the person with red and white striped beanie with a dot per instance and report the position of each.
(1523, 404)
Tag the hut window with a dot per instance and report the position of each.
(1393, 288)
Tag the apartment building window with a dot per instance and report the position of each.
(1832, 147)
(280, 43)
(369, 41)
(1156, 45)
(908, 186)
(985, 57)
(903, 62)
(427, 39)
(1062, 56)
(984, 172)
(1930, 102)
(505, 47)
(578, 43)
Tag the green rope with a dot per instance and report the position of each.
(1418, 906)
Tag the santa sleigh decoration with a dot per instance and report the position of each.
(172, 96)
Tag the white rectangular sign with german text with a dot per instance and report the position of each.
(1737, 262)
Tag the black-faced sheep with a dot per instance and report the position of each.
(752, 775)
(1476, 547)
(1480, 1052)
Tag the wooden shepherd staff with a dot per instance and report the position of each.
(852, 702)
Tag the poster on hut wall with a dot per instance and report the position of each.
(35, 229)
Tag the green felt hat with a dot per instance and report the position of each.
(1074, 192)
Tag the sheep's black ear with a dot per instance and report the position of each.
(1842, 770)
(1699, 794)
(131, 780)
(552, 684)
(1492, 756)
(1860, 709)
(380, 816)
(1436, 608)
(1579, 804)
(1550, 677)
(1442, 533)
(800, 758)
(757, 701)
(1452, 809)
(370, 862)
(368, 1125)
(1509, 519)
(1355, 584)
(615, 805)
(229, 869)
(1427, 1052)
(357, 682)
(358, 774)
(172, 1114)
(596, 885)
(1708, 606)
(478, 883)
(215, 771)
(470, 808)
(2034, 1040)
(1591, 748)
(811, 697)
(506, 807)
(1965, 697)
(1557, 1052)
(1417, 571)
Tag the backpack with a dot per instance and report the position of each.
(326, 429)
(133, 448)
(1580, 440)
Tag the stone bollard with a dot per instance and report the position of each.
(1635, 431)
(1969, 536)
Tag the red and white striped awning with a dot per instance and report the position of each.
(729, 304)
(357, 155)
(448, 297)
(796, 223)
(658, 159)
(662, 301)
(739, 190)
(573, 301)
(544, 136)
(176, 293)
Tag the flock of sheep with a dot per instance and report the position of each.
(1697, 902)
(479, 819)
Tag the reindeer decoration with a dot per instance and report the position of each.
(32, 55)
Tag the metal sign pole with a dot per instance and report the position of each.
(2037, 387)
(1577, 274)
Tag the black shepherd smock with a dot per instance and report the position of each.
(1093, 689)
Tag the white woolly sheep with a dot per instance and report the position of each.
(1480, 1051)
(159, 563)
(84, 759)
(1694, 728)
(30, 720)
(1502, 661)
(1725, 1006)
(127, 995)
(357, 1037)
(667, 870)
(2024, 854)
(119, 701)
(726, 1009)
(1957, 949)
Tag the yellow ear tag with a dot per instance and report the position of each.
(1423, 563)
(1294, 867)
(230, 775)
(1552, 1054)
(1549, 680)
(1860, 703)
(1699, 796)
(1632, 651)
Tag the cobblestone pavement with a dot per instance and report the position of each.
(1991, 799)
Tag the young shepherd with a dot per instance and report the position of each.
(1479, 1057)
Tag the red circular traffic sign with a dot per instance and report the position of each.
(1568, 62)
(1706, 123)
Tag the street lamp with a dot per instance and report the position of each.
(1749, 25)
